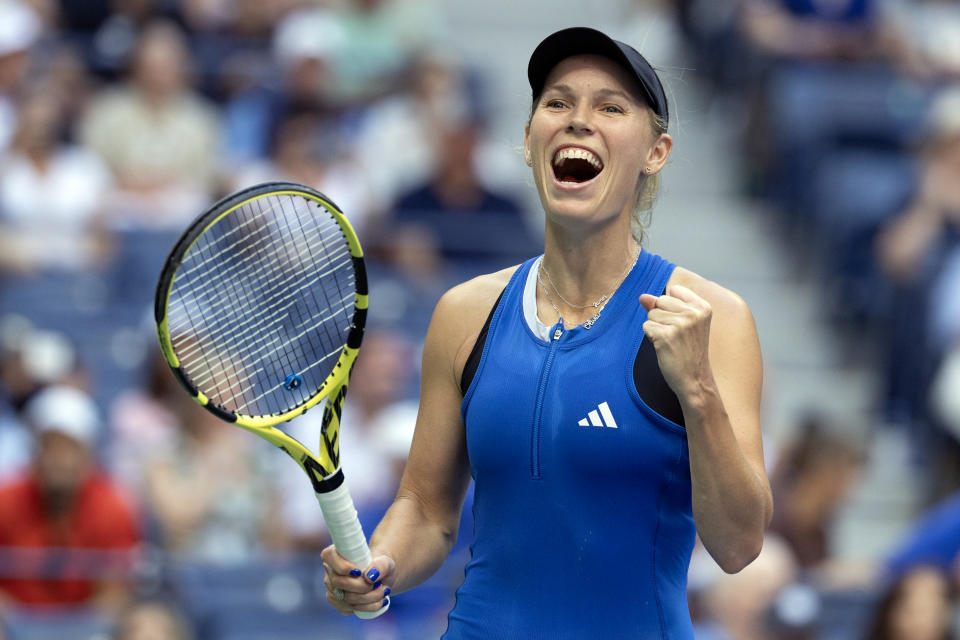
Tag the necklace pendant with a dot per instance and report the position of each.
(599, 302)
(589, 323)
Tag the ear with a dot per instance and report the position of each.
(658, 154)
(526, 146)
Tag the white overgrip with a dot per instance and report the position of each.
(341, 517)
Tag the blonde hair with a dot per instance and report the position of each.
(648, 190)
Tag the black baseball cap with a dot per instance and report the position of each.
(579, 40)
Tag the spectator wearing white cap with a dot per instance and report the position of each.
(67, 533)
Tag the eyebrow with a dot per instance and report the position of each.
(602, 93)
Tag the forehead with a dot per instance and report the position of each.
(599, 71)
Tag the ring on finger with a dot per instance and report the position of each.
(338, 594)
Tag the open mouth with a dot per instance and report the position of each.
(576, 165)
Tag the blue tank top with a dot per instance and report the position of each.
(583, 526)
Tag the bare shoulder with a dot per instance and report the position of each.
(475, 296)
(729, 309)
(461, 313)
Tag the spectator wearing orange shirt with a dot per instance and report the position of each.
(67, 534)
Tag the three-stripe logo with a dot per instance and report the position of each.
(599, 417)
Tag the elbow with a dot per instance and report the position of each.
(737, 558)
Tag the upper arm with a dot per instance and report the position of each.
(737, 365)
(438, 470)
(736, 362)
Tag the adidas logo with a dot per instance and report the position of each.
(599, 417)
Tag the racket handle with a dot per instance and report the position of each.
(341, 517)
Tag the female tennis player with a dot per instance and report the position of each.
(604, 401)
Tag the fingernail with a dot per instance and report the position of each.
(356, 573)
(386, 601)
(377, 584)
(373, 575)
(386, 591)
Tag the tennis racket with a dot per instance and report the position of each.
(260, 311)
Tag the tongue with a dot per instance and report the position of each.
(575, 170)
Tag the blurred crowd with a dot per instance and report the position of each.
(125, 507)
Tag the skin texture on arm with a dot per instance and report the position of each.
(707, 347)
(420, 528)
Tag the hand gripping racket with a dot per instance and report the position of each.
(260, 311)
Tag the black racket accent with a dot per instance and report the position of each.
(335, 404)
(221, 413)
(317, 473)
(184, 382)
(361, 272)
(355, 336)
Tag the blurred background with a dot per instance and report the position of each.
(816, 172)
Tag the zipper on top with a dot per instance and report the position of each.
(535, 435)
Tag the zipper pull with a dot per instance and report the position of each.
(559, 329)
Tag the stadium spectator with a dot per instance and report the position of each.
(407, 276)
(810, 481)
(471, 220)
(302, 46)
(309, 149)
(818, 78)
(153, 619)
(211, 489)
(913, 251)
(911, 244)
(381, 41)
(67, 531)
(141, 421)
(30, 359)
(933, 541)
(919, 605)
(52, 195)
(397, 136)
(736, 605)
(158, 136)
(808, 30)
(20, 27)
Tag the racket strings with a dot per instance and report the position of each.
(219, 297)
(285, 358)
(245, 272)
(265, 293)
(237, 387)
(245, 330)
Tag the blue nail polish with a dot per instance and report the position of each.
(373, 575)
(386, 591)
(386, 601)
(377, 584)
(356, 573)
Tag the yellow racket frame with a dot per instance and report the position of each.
(325, 462)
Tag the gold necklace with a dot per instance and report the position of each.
(602, 301)
(602, 298)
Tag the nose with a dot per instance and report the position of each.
(579, 120)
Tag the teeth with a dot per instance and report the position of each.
(570, 153)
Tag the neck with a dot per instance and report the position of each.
(583, 269)
(586, 266)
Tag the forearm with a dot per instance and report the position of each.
(417, 541)
(732, 504)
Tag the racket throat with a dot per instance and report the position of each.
(322, 481)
